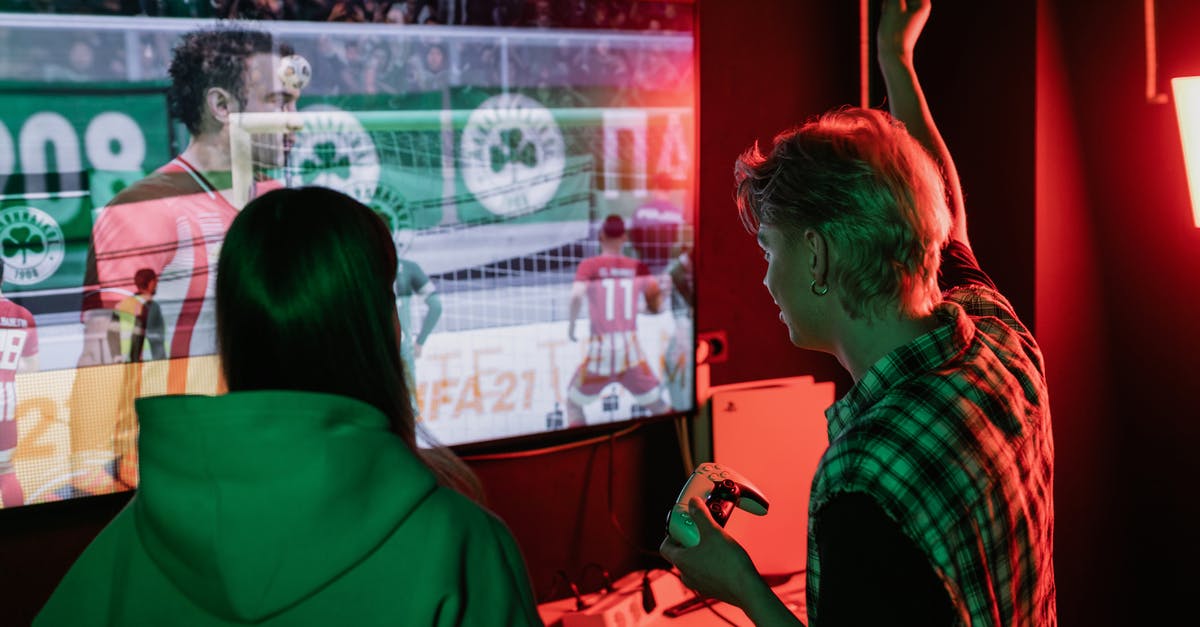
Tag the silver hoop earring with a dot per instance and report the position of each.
(824, 290)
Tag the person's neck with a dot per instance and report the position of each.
(208, 152)
(865, 342)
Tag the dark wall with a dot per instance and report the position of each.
(764, 67)
(1146, 254)
(1071, 310)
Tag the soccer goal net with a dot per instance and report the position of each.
(498, 204)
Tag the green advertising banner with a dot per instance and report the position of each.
(65, 150)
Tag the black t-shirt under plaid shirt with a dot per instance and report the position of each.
(949, 438)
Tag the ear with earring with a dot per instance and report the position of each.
(823, 290)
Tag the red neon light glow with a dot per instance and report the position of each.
(1187, 107)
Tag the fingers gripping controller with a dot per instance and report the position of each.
(721, 489)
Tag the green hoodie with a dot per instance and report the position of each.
(290, 508)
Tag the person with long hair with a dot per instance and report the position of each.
(304, 494)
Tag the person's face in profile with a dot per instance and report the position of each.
(787, 283)
(263, 92)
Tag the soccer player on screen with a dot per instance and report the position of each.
(18, 351)
(173, 223)
(174, 220)
(677, 360)
(411, 284)
(137, 322)
(612, 284)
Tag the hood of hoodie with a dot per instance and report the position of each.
(252, 502)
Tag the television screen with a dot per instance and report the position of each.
(529, 176)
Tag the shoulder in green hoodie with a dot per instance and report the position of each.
(290, 508)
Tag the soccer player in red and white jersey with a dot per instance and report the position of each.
(174, 220)
(18, 351)
(612, 284)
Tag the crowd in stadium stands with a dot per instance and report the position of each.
(667, 15)
(377, 64)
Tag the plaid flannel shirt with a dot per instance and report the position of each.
(950, 436)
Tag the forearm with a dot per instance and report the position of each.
(765, 608)
(433, 313)
(573, 309)
(906, 100)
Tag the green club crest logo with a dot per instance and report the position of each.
(391, 205)
(335, 151)
(513, 155)
(31, 243)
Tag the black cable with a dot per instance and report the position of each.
(579, 604)
(648, 600)
(612, 515)
(554, 581)
(561, 575)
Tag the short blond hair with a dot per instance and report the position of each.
(857, 177)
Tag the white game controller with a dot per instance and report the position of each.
(721, 488)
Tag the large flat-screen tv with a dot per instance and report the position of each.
(499, 157)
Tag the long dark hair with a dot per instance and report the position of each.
(305, 301)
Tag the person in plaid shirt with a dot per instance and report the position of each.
(933, 504)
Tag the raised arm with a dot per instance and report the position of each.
(900, 25)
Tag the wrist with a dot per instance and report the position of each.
(895, 60)
(764, 607)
